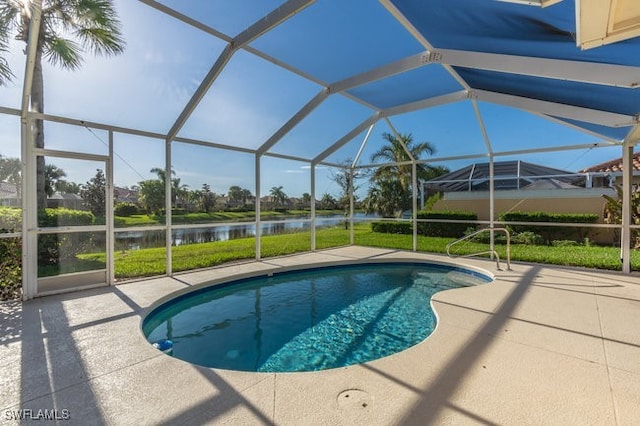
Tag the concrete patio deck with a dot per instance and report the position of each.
(540, 345)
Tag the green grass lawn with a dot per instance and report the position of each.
(149, 262)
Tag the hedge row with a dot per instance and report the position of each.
(125, 209)
(392, 227)
(65, 217)
(10, 268)
(438, 229)
(10, 219)
(430, 229)
(550, 233)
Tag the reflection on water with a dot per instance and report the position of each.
(149, 239)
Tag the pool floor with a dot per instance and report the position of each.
(307, 320)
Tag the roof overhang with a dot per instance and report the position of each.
(600, 22)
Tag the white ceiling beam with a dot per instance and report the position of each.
(186, 19)
(425, 103)
(521, 152)
(287, 157)
(576, 127)
(271, 20)
(406, 64)
(30, 63)
(346, 138)
(201, 91)
(584, 72)
(212, 31)
(388, 4)
(594, 116)
(293, 121)
(398, 67)
(633, 137)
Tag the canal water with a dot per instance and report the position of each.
(149, 239)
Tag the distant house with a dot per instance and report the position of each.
(519, 186)
(610, 172)
(68, 201)
(126, 195)
(9, 195)
(508, 175)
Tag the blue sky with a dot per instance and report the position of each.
(148, 86)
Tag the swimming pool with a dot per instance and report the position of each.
(305, 320)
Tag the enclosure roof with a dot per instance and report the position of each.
(507, 175)
(390, 58)
(524, 55)
(416, 55)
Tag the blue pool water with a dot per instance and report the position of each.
(306, 320)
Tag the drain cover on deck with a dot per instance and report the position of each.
(354, 399)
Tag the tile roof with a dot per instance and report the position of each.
(613, 165)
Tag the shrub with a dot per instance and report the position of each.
(10, 254)
(392, 227)
(485, 237)
(240, 209)
(54, 248)
(64, 217)
(176, 211)
(10, 219)
(550, 233)
(438, 229)
(10, 268)
(564, 243)
(125, 209)
(527, 238)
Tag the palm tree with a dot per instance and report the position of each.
(53, 179)
(68, 28)
(394, 152)
(390, 193)
(178, 190)
(387, 198)
(327, 202)
(236, 196)
(278, 197)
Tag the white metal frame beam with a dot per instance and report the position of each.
(293, 121)
(400, 109)
(576, 127)
(603, 118)
(585, 72)
(398, 67)
(346, 138)
(426, 103)
(266, 23)
(29, 190)
(627, 189)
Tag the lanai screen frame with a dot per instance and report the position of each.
(606, 74)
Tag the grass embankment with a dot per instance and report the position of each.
(148, 262)
(189, 218)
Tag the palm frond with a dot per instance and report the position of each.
(8, 12)
(97, 27)
(101, 41)
(63, 52)
(5, 72)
